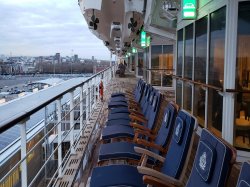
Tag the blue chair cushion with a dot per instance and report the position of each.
(118, 95)
(222, 162)
(118, 99)
(116, 175)
(244, 177)
(119, 110)
(125, 122)
(118, 116)
(115, 131)
(179, 130)
(117, 104)
(205, 164)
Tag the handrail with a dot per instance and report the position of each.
(56, 92)
(198, 83)
(237, 91)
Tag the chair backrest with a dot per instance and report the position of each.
(212, 162)
(153, 110)
(140, 91)
(244, 178)
(148, 101)
(184, 128)
(167, 125)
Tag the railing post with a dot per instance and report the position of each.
(95, 90)
(24, 152)
(87, 102)
(81, 108)
(72, 122)
(59, 131)
(46, 138)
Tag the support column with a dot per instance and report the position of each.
(87, 102)
(59, 135)
(23, 152)
(72, 122)
(81, 108)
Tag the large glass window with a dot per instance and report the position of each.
(189, 44)
(200, 50)
(146, 63)
(217, 47)
(140, 64)
(216, 69)
(179, 93)
(199, 104)
(242, 81)
(187, 97)
(161, 59)
(179, 52)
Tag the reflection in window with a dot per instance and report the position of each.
(187, 97)
(200, 50)
(242, 81)
(133, 63)
(179, 52)
(156, 51)
(145, 63)
(140, 64)
(161, 59)
(217, 47)
(215, 107)
(189, 44)
(199, 104)
(179, 93)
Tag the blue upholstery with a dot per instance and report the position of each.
(118, 99)
(215, 169)
(118, 95)
(118, 116)
(177, 152)
(119, 110)
(116, 175)
(244, 177)
(126, 149)
(115, 131)
(118, 122)
(116, 104)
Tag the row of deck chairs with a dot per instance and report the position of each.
(158, 155)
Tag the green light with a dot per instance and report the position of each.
(189, 9)
(143, 39)
(134, 50)
(128, 54)
(148, 41)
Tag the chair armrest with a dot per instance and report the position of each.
(158, 182)
(159, 175)
(149, 153)
(138, 118)
(136, 113)
(145, 133)
(138, 126)
(150, 144)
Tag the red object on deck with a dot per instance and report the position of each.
(101, 90)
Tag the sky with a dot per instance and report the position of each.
(45, 27)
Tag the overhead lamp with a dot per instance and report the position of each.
(143, 38)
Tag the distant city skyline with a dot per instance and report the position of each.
(46, 27)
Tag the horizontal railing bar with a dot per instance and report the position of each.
(15, 118)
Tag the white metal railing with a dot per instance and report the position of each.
(55, 144)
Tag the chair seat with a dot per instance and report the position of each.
(118, 116)
(115, 131)
(119, 110)
(117, 104)
(118, 99)
(116, 175)
(125, 122)
(118, 95)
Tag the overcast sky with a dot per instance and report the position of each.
(45, 27)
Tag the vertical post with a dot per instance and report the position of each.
(161, 77)
(81, 107)
(72, 122)
(46, 138)
(87, 102)
(59, 131)
(95, 93)
(23, 152)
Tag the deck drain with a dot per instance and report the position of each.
(79, 149)
(73, 161)
(69, 171)
(64, 184)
